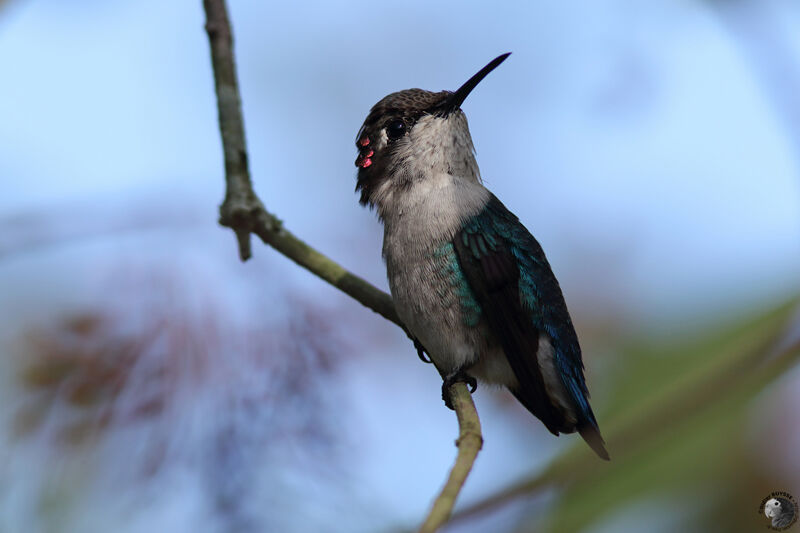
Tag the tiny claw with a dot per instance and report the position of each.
(446, 397)
(421, 352)
(456, 377)
(472, 383)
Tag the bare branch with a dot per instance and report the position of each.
(243, 212)
(469, 444)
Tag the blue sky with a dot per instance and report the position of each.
(642, 140)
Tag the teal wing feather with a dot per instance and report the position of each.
(520, 298)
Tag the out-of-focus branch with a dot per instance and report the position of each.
(243, 212)
(469, 444)
(756, 367)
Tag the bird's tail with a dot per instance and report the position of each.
(592, 436)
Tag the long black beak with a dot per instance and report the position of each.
(455, 100)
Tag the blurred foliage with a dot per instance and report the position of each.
(131, 395)
(82, 362)
(679, 432)
(89, 372)
(676, 430)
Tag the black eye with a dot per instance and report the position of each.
(396, 129)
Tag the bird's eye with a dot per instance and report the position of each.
(396, 129)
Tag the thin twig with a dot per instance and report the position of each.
(243, 212)
(469, 444)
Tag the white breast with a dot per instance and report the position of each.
(431, 191)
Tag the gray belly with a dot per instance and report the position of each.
(438, 307)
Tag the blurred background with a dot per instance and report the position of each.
(152, 382)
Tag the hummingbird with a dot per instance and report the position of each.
(469, 281)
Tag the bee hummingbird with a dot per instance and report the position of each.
(469, 281)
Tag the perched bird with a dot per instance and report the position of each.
(469, 281)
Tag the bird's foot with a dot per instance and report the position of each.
(421, 351)
(456, 377)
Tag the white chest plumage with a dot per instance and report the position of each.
(420, 223)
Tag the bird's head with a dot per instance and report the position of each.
(772, 508)
(414, 135)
